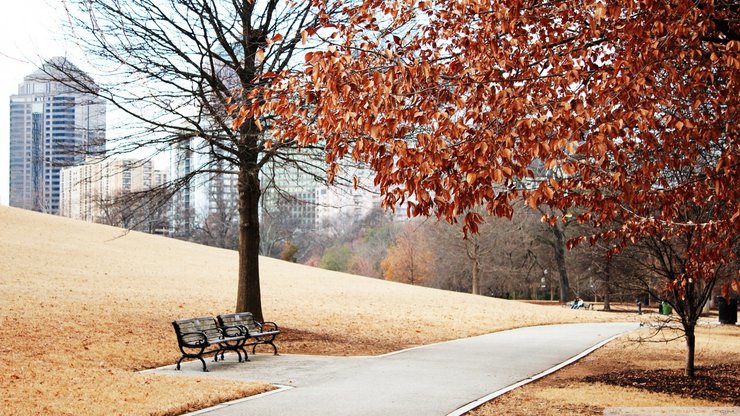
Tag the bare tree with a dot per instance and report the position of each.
(177, 69)
(277, 228)
(132, 211)
(503, 259)
(660, 259)
(463, 259)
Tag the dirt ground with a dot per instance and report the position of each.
(85, 306)
(637, 370)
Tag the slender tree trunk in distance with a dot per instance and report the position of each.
(560, 260)
(411, 259)
(552, 289)
(473, 251)
(607, 287)
(475, 289)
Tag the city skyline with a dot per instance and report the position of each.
(30, 32)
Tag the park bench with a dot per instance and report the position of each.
(257, 332)
(197, 337)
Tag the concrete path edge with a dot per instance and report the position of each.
(279, 389)
(477, 403)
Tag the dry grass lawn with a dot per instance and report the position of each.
(568, 392)
(85, 306)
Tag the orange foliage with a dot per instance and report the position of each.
(630, 107)
(409, 260)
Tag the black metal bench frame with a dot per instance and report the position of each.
(196, 335)
(258, 332)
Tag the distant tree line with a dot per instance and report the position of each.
(522, 258)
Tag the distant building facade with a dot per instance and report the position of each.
(346, 201)
(184, 163)
(294, 190)
(90, 191)
(206, 188)
(51, 126)
(298, 190)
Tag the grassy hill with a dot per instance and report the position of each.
(86, 305)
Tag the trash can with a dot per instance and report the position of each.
(727, 310)
(665, 308)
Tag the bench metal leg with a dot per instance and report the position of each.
(239, 350)
(177, 367)
(274, 348)
(205, 369)
(198, 355)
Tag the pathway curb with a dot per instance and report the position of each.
(279, 389)
(477, 403)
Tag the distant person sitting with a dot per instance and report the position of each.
(577, 304)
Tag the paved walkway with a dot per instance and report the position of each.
(431, 380)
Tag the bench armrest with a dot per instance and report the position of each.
(203, 339)
(233, 331)
(271, 326)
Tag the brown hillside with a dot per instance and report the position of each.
(85, 305)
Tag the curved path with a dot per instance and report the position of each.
(431, 380)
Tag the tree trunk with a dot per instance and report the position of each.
(248, 298)
(476, 285)
(607, 287)
(690, 349)
(552, 289)
(472, 249)
(560, 260)
(411, 264)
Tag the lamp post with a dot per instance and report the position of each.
(544, 283)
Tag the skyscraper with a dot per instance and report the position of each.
(52, 125)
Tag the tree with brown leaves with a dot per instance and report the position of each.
(452, 102)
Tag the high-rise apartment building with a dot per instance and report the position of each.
(297, 190)
(52, 125)
(90, 191)
(185, 160)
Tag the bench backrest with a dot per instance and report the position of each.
(240, 319)
(206, 324)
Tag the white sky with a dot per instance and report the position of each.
(30, 30)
